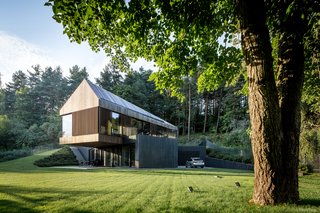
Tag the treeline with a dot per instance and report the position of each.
(30, 103)
(221, 111)
(29, 106)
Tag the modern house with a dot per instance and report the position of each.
(117, 132)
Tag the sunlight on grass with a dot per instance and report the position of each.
(26, 188)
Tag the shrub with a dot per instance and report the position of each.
(228, 153)
(14, 154)
(63, 157)
(306, 168)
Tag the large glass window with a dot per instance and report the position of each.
(105, 121)
(67, 125)
(172, 133)
(115, 120)
(131, 126)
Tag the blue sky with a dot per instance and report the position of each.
(29, 36)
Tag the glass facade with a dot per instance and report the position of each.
(112, 123)
(67, 125)
(131, 127)
(113, 156)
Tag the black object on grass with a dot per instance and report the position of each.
(237, 184)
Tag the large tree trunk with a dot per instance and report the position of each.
(263, 103)
(290, 82)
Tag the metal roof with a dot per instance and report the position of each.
(113, 102)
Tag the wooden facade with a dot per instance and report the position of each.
(85, 122)
(82, 98)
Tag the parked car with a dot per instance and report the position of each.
(195, 162)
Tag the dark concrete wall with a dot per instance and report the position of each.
(218, 163)
(186, 152)
(156, 152)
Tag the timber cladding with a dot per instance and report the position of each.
(85, 122)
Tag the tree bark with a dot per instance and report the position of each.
(205, 112)
(290, 82)
(263, 102)
(189, 109)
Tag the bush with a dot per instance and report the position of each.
(228, 153)
(306, 168)
(63, 157)
(14, 154)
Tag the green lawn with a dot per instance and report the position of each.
(27, 188)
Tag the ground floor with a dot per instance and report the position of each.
(112, 156)
(145, 152)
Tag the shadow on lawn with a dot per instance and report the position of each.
(311, 202)
(13, 206)
(31, 198)
(191, 172)
(10, 206)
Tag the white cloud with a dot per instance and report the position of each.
(18, 54)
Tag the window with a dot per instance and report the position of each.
(67, 125)
(172, 133)
(105, 122)
(115, 121)
(130, 126)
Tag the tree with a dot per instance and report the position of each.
(52, 89)
(19, 81)
(179, 35)
(2, 96)
(6, 137)
(77, 75)
(110, 77)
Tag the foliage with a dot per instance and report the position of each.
(231, 154)
(110, 78)
(14, 154)
(6, 136)
(63, 157)
(233, 146)
(135, 87)
(30, 103)
(306, 168)
(170, 34)
(77, 74)
(310, 135)
(127, 190)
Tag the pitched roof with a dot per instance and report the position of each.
(113, 102)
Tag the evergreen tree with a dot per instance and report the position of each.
(76, 76)
(19, 81)
(110, 77)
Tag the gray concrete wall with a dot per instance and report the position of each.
(156, 152)
(218, 163)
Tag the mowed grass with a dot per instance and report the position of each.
(27, 188)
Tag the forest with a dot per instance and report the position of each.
(30, 103)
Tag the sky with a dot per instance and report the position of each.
(30, 36)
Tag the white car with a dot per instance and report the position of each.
(195, 162)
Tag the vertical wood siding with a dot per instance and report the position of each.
(85, 122)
